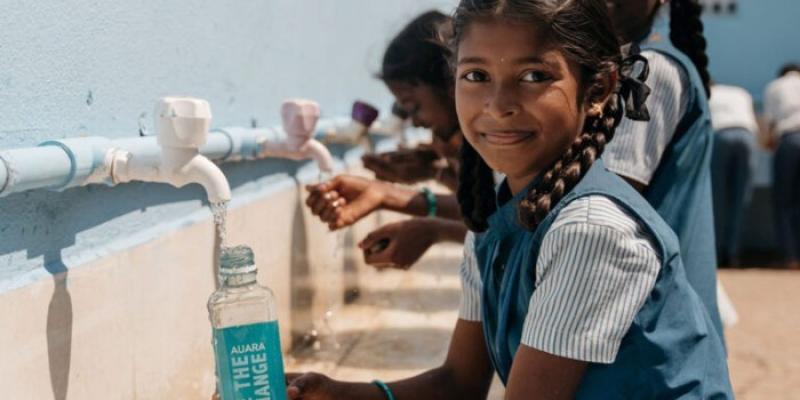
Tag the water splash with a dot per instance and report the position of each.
(220, 212)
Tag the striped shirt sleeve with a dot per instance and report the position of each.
(470, 308)
(636, 149)
(595, 270)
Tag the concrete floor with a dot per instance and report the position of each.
(402, 322)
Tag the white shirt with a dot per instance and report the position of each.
(637, 147)
(782, 103)
(732, 107)
(596, 268)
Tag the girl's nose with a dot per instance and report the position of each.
(503, 104)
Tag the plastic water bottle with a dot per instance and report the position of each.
(246, 342)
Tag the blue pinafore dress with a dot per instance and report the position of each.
(671, 351)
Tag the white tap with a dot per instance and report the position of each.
(182, 124)
(299, 119)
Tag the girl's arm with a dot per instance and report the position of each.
(539, 375)
(346, 199)
(401, 244)
(466, 374)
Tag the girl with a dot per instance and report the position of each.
(415, 69)
(668, 159)
(573, 285)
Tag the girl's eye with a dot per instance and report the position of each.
(475, 76)
(536, 76)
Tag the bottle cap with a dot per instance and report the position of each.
(236, 260)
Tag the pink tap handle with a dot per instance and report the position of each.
(299, 118)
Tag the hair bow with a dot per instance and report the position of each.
(633, 90)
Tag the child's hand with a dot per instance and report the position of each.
(311, 386)
(399, 245)
(344, 200)
(403, 166)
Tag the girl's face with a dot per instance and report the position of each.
(516, 98)
(427, 107)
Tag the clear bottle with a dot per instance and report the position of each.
(246, 341)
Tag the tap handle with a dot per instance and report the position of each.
(182, 122)
(299, 118)
(364, 113)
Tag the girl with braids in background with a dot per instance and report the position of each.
(416, 70)
(668, 158)
(573, 285)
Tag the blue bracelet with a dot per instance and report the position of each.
(430, 198)
(385, 388)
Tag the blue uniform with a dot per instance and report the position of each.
(671, 350)
(681, 187)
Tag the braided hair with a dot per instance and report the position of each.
(686, 34)
(583, 31)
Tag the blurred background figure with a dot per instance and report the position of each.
(415, 69)
(736, 129)
(782, 113)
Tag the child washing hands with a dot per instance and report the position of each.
(573, 285)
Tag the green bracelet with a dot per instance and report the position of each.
(384, 388)
(430, 198)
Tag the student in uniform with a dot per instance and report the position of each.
(732, 165)
(573, 284)
(782, 112)
(668, 158)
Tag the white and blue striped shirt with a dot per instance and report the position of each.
(596, 267)
(637, 147)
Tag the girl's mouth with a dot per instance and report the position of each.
(506, 138)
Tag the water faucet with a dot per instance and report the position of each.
(182, 125)
(362, 117)
(299, 119)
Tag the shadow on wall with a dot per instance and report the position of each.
(44, 224)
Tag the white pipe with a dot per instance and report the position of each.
(66, 163)
(363, 116)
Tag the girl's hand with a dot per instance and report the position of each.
(311, 386)
(403, 166)
(344, 200)
(399, 245)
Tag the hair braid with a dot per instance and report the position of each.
(565, 173)
(686, 33)
(475, 189)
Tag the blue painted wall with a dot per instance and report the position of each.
(749, 47)
(97, 68)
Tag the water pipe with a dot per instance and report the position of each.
(352, 131)
(393, 126)
(65, 163)
(299, 119)
(173, 157)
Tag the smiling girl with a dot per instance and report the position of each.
(573, 285)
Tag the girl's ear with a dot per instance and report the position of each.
(599, 92)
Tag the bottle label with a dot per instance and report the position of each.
(249, 362)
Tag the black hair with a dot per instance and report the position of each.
(582, 30)
(791, 67)
(416, 55)
(686, 34)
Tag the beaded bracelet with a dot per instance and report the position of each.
(430, 199)
(384, 388)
